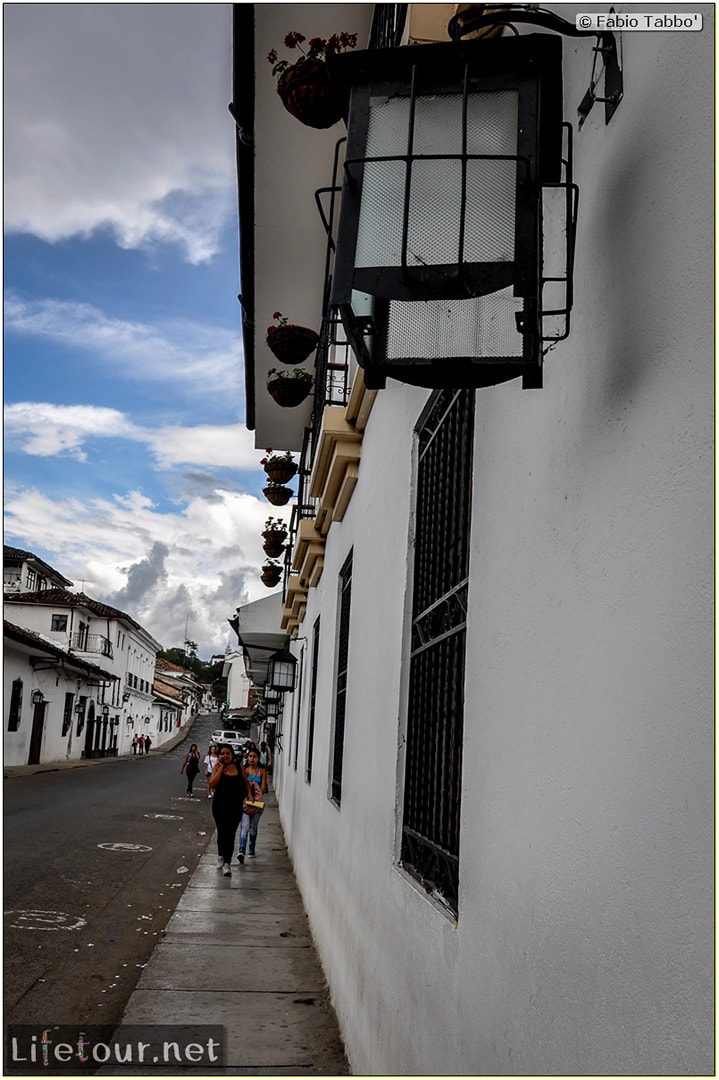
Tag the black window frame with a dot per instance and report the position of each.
(432, 785)
(313, 700)
(67, 714)
(59, 617)
(343, 635)
(14, 717)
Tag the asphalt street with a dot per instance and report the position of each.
(95, 860)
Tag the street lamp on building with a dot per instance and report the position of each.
(282, 671)
(442, 274)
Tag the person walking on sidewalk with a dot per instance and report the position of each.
(148, 744)
(210, 762)
(229, 788)
(253, 806)
(135, 743)
(191, 767)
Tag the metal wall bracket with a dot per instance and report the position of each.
(465, 22)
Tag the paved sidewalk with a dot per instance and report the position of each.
(238, 952)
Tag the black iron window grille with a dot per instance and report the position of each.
(341, 682)
(298, 708)
(435, 718)
(15, 711)
(67, 715)
(313, 700)
(387, 26)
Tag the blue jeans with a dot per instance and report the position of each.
(248, 826)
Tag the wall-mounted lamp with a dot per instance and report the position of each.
(281, 671)
(439, 268)
(105, 711)
(37, 697)
(80, 708)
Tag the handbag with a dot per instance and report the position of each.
(254, 804)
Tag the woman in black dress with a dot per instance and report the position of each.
(229, 788)
(191, 767)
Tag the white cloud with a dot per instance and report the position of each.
(182, 350)
(47, 430)
(113, 117)
(163, 569)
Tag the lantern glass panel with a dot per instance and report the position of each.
(435, 211)
(484, 326)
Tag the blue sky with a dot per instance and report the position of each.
(127, 463)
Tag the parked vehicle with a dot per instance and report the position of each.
(233, 738)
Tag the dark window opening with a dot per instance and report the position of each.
(67, 715)
(59, 622)
(15, 713)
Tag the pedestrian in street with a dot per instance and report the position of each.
(135, 743)
(229, 786)
(210, 762)
(191, 767)
(148, 744)
(253, 806)
(141, 744)
(266, 757)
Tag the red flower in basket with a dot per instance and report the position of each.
(305, 86)
(290, 343)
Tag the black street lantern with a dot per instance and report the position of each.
(281, 671)
(438, 270)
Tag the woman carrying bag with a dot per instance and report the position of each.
(253, 805)
(191, 767)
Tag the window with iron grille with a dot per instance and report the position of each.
(298, 713)
(67, 715)
(15, 713)
(313, 700)
(341, 684)
(435, 719)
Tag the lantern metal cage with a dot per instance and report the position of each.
(439, 270)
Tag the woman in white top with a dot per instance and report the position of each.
(209, 763)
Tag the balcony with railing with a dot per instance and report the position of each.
(91, 643)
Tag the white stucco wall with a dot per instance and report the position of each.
(584, 942)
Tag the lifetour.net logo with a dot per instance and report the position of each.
(72, 1050)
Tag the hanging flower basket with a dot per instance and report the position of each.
(307, 93)
(281, 474)
(273, 549)
(305, 87)
(271, 574)
(275, 528)
(280, 468)
(292, 344)
(277, 494)
(289, 390)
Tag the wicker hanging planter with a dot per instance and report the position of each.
(277, 494)
(308, 94)
(292, 344)
(281, 474)
(271, 574)
(290, 390)
(273, 549)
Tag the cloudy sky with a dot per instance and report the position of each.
(127, 464)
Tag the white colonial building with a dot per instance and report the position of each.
(496, 777)
(121, 654)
